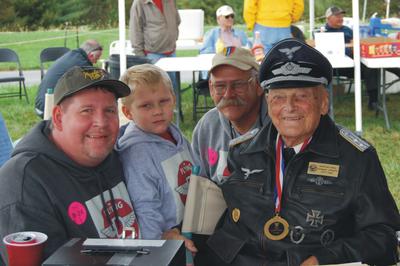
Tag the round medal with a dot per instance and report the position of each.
(276, 228)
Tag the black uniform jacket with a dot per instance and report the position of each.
(335, 199)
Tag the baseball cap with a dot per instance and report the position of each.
(79, 78)
(224, 11)
(334, 10)
(235, 56)
(294, 64)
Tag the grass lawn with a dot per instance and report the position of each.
(20, 117)
(29, 44)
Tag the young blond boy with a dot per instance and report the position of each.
(156, 157)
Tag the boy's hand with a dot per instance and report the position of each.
(175, 234)
(310, 261)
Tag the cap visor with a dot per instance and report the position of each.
(293, 84)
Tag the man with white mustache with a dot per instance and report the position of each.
(240, 109)
(239, 113)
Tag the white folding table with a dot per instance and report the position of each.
(178, 64)
(382, 63)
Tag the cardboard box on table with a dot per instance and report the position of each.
(378, 47)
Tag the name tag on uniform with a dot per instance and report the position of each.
(323, 169)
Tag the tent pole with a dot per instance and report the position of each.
(122, 54)
(357, 66)
(312, 18)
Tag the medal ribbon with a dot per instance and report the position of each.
(280, 170)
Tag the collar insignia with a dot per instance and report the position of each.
(249, 135)
(355, 140)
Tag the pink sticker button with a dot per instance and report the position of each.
(212, 157)
(77, 212)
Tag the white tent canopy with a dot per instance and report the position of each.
(356, 42)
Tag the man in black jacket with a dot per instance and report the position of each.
(63, 178)
(304, 191)
(87, 55)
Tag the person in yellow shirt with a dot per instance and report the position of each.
(272, 18)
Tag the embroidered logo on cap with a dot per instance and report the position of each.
(291, 69)
(93, 74)
(229, 50)
(290, 51)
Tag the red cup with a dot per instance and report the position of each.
(25, 248)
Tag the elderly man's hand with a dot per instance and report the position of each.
(175, 234)
(310, 261)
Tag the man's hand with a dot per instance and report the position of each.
(175, 234)
(310, 261)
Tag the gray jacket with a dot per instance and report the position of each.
(210, 141)
(153, 31)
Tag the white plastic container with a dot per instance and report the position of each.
(48, 104)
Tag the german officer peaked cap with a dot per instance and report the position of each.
(294, 64)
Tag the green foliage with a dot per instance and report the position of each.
(27, 14)
(36, 14)
(211, 6)
(73, 11)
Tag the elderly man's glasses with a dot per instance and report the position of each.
(238, 86)
(230, 16)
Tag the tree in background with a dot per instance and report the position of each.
(27, 14)
(43, 14)
(211, 6)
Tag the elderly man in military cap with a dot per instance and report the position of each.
(304, 191)
(63, 178)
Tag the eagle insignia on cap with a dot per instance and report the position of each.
(93, 74)
(290, 51)
(291, 68)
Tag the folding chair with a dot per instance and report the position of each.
(50, 54)
(9, 56)
(201, 88)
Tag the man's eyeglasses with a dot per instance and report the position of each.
(230, 16)
(238, 86)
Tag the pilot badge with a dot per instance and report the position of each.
(235, 215)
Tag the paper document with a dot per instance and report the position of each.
(204, 207)
(97, 242)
